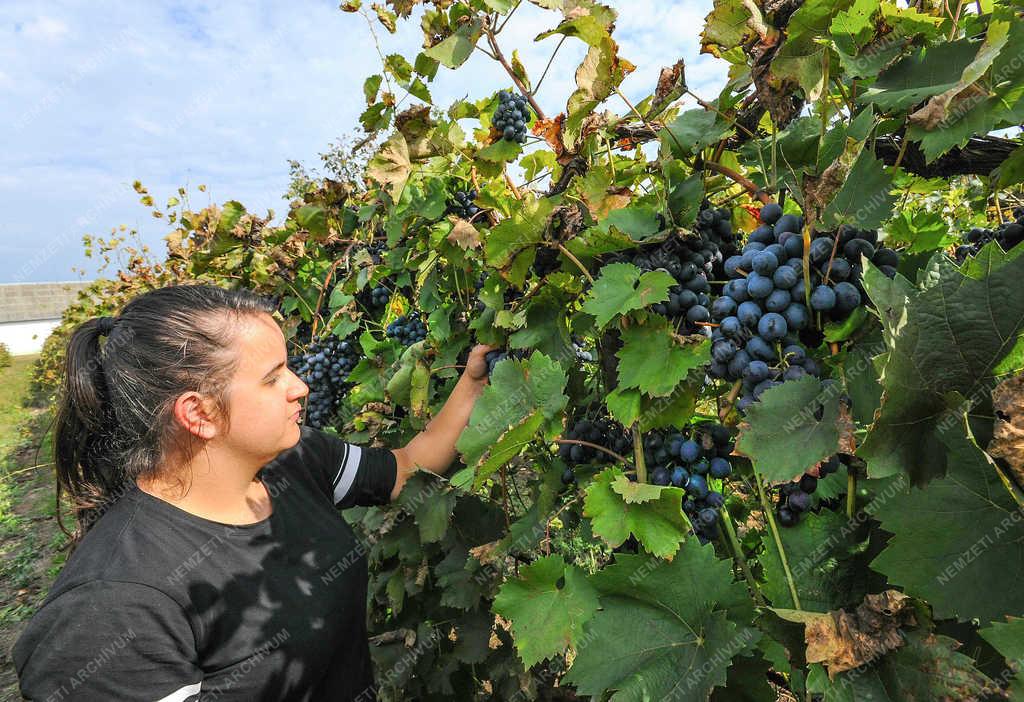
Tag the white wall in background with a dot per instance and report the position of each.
(26, 337)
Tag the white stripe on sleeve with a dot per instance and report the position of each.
(346, 472)
(182, 693)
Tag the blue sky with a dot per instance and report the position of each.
(96, 95)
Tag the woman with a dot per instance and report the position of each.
(211, 560)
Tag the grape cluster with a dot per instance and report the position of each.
(601, 431)
(581, 353)
(379, 296)
(545, 262)
(687, 460)
(376, 250)
(325, 367)
(408, 329)
(689, 261)
(494, 357)
(462, 205)
(512, 116)
(795, 498)
(715, 229)
(1008, 234)
(837, 286)
(761, 310)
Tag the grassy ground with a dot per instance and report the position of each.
(31, 544)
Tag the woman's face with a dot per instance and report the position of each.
(264, 397)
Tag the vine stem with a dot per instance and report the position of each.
(730, 532)
(581, 442)
(766, 506)
(733, 394)
(732, 175)
(568, 254)
(851, 492)
(499, 56)
(638, 454)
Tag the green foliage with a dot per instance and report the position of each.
(511, 581)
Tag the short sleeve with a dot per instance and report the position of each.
(108, 640)
(352, 475)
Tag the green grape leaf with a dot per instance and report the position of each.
(800, 60)
(622, 287)
(600, 73)
(524, 228)
(692, 131)
(624, 405)
(1008, 638)
(428, 498)
(725, 27)
(927, 72)
(853, 28)
(665, 630)
(657, 521)
(653, 359)
(924, 669)
(639, 221)
(517, 390)
(792, 428)
(823, 556)
(548, 604)
(920, 230)
(458, 47)
(500, 151)
(945, 565)
(864, 200)
(946, 345)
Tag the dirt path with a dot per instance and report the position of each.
(31, 552)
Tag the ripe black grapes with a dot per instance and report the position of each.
(1008, 234)
(601, 431)
(688, 460)
(795, 498)
(325, 367)
(462, 205)
(512, 116)
(408, 329)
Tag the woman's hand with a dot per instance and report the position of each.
(476, 366)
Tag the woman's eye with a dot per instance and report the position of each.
(273, 380)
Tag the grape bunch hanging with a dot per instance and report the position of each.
(794, 498)
(602, 432)
(461, 204)
(512, 116)
(325, 367)
(407, 329)
(687, 460)
(1008, 234)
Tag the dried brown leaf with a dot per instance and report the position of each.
(1008, 437)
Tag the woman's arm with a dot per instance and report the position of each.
(433, 448)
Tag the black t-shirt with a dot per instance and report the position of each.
(160, 605)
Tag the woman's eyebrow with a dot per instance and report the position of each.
(275, 368)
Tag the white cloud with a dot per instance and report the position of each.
(224, 94)
(45, 28)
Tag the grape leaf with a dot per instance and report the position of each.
(945, 565)
(725, 27)
(664, 630)
(1008, 638)
(622, 287)
(927, 72)
(600, 73)
(823, 558)
(924, 669)
(426, 496)
(458, 47)
(516, 390)
(657, 521)
(548, 604)
(782, 433)
(524, 228)
(653, 360)
(391, 165)
(692, 131)
(945, 343)
(851, 29)
(864, 200)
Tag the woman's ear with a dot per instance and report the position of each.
(197, 414)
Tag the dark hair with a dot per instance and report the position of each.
(115, 416)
